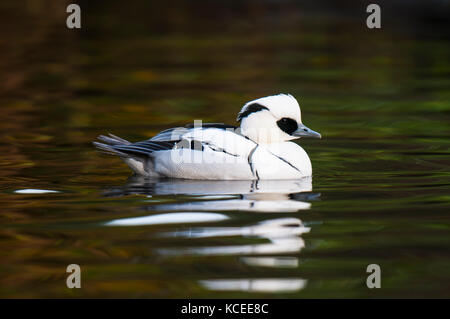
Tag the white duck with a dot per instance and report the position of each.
(258, 149)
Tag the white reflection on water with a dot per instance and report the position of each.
(171, 218)
(283, 235)
(34, 191)
(267, 239)
(270, 203)
(285, 196)
(139, 185)
(275, 262)
(255, 285)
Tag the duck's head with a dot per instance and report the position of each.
(273, 119)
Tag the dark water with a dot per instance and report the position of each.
(380, 187)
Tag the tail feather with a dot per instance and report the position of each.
(108, 149)
(113, 140)
(136, 155)
(109, 144)
(118, 139)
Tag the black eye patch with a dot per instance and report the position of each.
(287, 125)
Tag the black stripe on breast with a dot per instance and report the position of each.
(285, 161)
(249, 159)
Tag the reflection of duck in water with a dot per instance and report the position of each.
(283, 235)
(270, 242)
(258, 196)
(259, 149)
(220, 196)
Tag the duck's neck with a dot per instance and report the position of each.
(263, 135)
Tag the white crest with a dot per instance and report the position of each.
(259, 118)
(281, 105)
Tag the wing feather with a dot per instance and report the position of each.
(217, 137)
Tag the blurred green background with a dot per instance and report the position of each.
(380, 98)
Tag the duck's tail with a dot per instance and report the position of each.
(136, 162)
(109, 142)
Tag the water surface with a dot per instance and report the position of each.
(379, 192)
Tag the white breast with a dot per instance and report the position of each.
(285, 160)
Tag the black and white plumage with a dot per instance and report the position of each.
(258, 149)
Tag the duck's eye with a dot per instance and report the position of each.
(287, 125)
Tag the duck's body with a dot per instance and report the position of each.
(256, 150)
